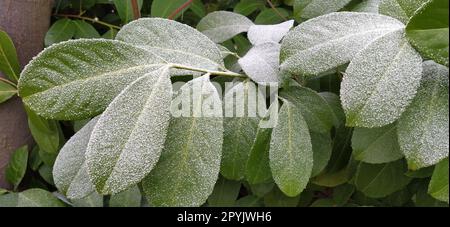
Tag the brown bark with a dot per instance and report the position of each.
(26, 21)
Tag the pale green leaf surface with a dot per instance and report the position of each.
(30, 198)
(438, 187)
(220, 26)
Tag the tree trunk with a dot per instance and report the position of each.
(26, 21)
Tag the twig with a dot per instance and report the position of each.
(276, 10)
(88, 19)
(136, 11)
(181, 8)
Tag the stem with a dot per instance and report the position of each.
(88, 19)
(8, 82)
(136, 11)
(217, 73)
(276, 10)
(181, 8)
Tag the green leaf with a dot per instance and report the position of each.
(260, 190)
(272, 16)
(129, 136)
(128, 198)
(369, 6)
(421, 173)
(258, 168)
(239, 130)
(84, 30)
(45, 172)
(259, 34)
(30, 198)
(225, 193)
(3, 191)
(6, 91)
(220, 26)
(380, 180)
(290, 154)
(334, 102)
(9, 63)
(34, 160)
(438, 187)
(67, 81)
(423, 127)
(428, 31)
(316, 111)
(198, 8)
(92, 200)
(423, 199)
(190, 162)
(17, 166)
(342, 150)
(276, 198)
(45, 132)
(376, 145)
(377, 88)
(261, 62)
(306, 9)
(110, 34)
(164, 8)
(313, 48)
(342, 193)
(125, 9)
(324, 203)
(70, 170)
(62, 30)
(402, 10)
(247, 7)
(172, 41)
(322, 148)
(249, 201)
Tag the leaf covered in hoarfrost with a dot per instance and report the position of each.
(423, 127)
(290, 153)
(402, 10)
(326, 42)
(67, 81)
(70, 170)
(314, 8)
(220, 26)
(128, 139)
(239, 130)
(172, 41)
(190, 162)
(381, 81)
(261, 62)
(259, 34)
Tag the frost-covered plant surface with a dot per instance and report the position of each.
(353, 110)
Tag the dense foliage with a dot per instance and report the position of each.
(360, 101)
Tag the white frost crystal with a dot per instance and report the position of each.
(220, 26)
(381, 81)
(70, 171)
(423, 128)
(326, 42)
(259, 34)
(261, 62)
(127, 141)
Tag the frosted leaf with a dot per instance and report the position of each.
(239, 132)
(423, 127)
(402, 10)
(67, 81)
(70, 171)
(220, 26)
(326, 42)
(369, 6)
(290, 154)
(30, 198)
(316, 111)
(127, 141)
(190, 162)
(376, 145)
(438, 187)
(314, 8)
(259, 34)
(261, 62)
(173, 41)
(381, 81)
(92, 200)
